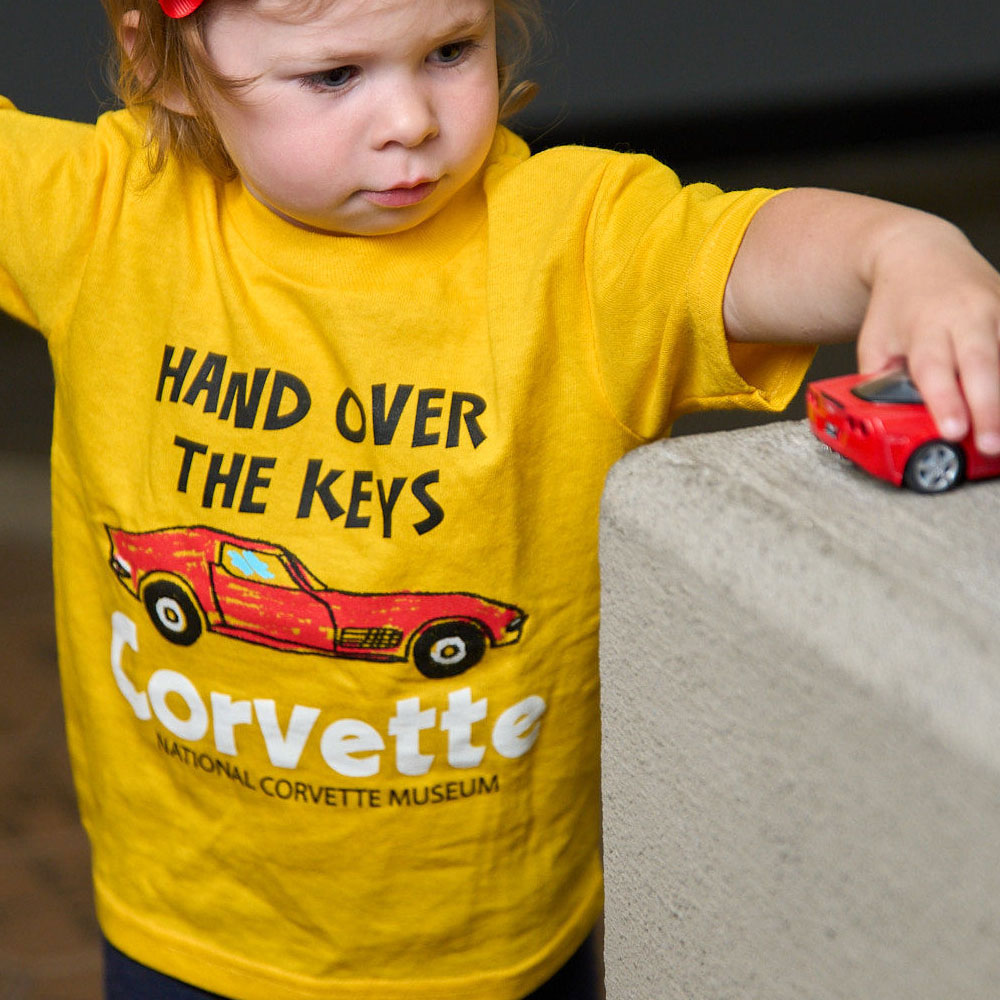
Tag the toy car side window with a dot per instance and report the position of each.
(259, 567)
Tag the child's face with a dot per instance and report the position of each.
(364, 117)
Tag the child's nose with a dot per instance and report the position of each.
(406, 117)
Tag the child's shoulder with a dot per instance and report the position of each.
(102, 168)
(510, 150)
(43, 137)
(582, 169)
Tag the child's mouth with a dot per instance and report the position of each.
(401, 197)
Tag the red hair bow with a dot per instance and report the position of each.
(180, 8)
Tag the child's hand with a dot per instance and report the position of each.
(935, 304)
(816, 266)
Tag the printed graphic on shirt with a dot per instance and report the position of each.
(196, 579)
(219, 734)
(420, 419)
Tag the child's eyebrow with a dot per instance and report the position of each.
(459, 28)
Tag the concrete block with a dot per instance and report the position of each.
(801, 713)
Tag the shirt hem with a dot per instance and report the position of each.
(239, 979)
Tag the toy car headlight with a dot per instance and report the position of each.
(121, 566)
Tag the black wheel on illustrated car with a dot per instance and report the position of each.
(448, 649)
(173, 612)
(935, 467)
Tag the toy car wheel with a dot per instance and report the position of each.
(448, 649)
(935, 467)
(173, 612)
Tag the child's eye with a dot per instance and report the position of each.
(452, 52)
(331, 79)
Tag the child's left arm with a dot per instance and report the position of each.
(818, 266)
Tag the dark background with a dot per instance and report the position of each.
(900, 99)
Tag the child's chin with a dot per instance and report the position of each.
(386, 222)
(390, 222)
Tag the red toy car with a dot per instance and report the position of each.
(196, 579)
(880, 423)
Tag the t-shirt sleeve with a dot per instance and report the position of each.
(658, 258)
(52, 174)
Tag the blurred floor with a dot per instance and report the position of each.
(48, 936)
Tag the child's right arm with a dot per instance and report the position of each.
(52, 175)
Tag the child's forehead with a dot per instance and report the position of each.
(292, 10)
(308, 10)
(251, 36)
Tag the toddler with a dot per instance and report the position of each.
(340, 370)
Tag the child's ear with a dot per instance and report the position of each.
(128, 35)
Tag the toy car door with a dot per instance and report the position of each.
(256, 593)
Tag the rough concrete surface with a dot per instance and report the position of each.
(801, 711)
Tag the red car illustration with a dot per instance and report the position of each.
(196, 579)
(880, 423)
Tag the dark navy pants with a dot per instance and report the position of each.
(125, 979)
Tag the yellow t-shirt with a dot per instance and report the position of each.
(325, 523)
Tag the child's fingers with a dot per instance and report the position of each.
(880, 343)
(874, 357)
(952, 352)
(960, 383)
(934, 372)
(978, 363)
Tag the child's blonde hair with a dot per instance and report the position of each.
(168, 56)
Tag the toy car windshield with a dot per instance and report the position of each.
(893, 387)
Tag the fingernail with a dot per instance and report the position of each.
(952, 429)
(989, 443)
